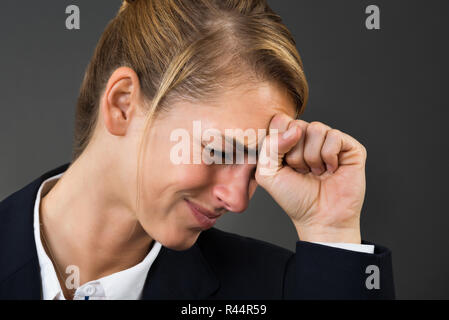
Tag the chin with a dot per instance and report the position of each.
(178, 240)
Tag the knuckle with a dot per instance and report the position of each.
(334, 133)
(294, 159)
(315, 126)
(363, 151)
(326, 153)
(312, 159)
(298, 163)
(301, 123)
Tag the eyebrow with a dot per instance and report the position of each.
(240, 145)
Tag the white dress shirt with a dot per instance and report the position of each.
(124, 285)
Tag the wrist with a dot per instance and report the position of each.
(329, 234)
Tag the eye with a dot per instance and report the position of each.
(226, 158)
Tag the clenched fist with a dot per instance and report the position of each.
(317, 177)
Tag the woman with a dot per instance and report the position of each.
(127, 220)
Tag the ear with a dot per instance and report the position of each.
(119, 101)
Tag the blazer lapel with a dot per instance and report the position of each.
(183, 275)
(24, 284)
(19, 264)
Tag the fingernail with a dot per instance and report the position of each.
(289, 133)
(317, 171)
(329, 168)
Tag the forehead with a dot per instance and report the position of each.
(250, 106)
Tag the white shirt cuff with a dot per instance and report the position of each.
(366, 248)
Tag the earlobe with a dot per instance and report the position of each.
(118, 101)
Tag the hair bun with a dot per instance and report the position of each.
(126, 4)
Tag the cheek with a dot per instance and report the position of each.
(193, 177)
(165, 186)
(167, 218)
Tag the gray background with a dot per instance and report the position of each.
(387, 88)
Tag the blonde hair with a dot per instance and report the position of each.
(189, 49)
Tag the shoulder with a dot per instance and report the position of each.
(27, 194)
(17, 246)
(16, 203)
(17, 216)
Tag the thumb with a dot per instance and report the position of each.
(273, 150)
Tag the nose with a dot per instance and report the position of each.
(232, 190)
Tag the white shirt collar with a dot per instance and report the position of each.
(124, 285)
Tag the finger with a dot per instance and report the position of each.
(274, 146)
(352, 152)
(273, 149)
(295, 157)
(340, 149)
(331, 149)
(314, 140)
(281, 122)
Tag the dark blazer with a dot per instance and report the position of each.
(219, 265)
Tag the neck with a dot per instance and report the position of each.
(88, 224)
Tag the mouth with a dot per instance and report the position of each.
(204, 217)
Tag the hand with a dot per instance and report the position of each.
(317, 176)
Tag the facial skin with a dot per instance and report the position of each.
(217, 187)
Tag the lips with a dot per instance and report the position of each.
(204, 217)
